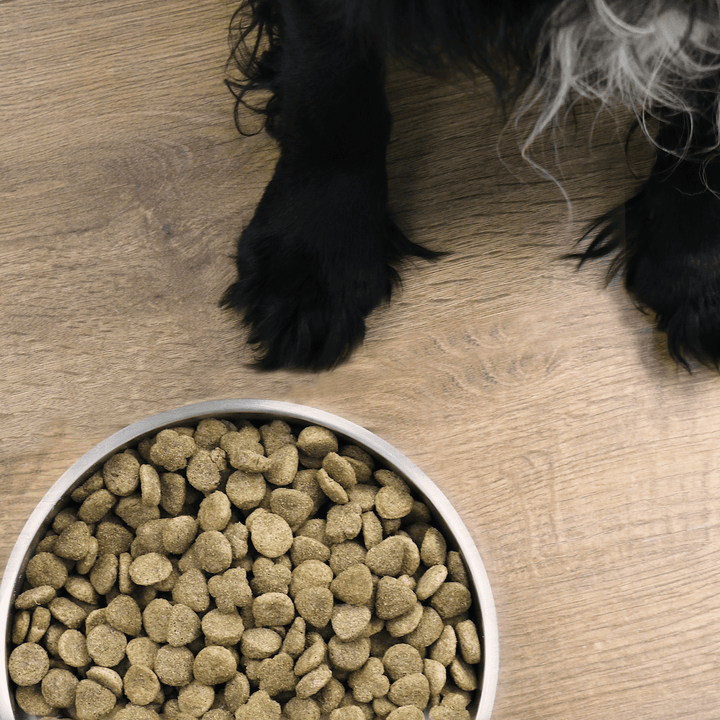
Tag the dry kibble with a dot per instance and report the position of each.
(20, 626)
(271, 535)
(350, 655)
(174, 665)
(214, 512)
(46, 569)
(124, 614)
(121, 474)
(72, 648)
(313, 681)
(394, 598)
(155, 619)
(317, 574)
(106, 645)
(142, 651)
(392, 503)
(183, 626)
(67, 612)
(150, 569)
(431, 581)
(97, 505)
(92, 700)
(445, 647)
(171, 450)
(333, 489)
(141, 685)
(213, 551)
(316, 441)
(73, 542)
(28, 664)
(195, 699)
(451, 599)
(353, 586)
(413, 689)
(58, 688)
(259, 643)
(315, 605)
(283, 466)
(41, 595)
(214, 664)
(469, 641)
(350, 621)
(401, 660)
(369, 682)
(191, 589)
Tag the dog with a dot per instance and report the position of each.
(322, 249)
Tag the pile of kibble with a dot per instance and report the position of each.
(228, 571)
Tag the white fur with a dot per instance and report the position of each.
(645, 55)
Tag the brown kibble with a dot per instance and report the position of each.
(431, 581)
(237, 691)
(46, 569)
(97, 505)
(401, 660)
(58, 688)
(124, 614)
(222, 628)
(246, 490)
(283, 466)
(469, 641)
(294, 506)
(259, 643)
(436, 674)
(155, 618)
(406, 712)
(314, 681)
(183, 626)
(340, 470)
(353, 586)
(445, 647)
(276, 675)
(347, 712)
(369, 682)
(202, 472)
(386, 558)
(113, 537)
(141, 685)
(172, 493)
(107, 677)
(20, 626)
(214, 512)
(270, 534)
(428, 630)
(350, 621)
(150, 487)
(31, 700)
(315, 605)
(174, 665)
(260, 706)
(407, 622)
(106, 645)
(196, 699)
(149, 569)
(273, 609)
(350, 655)
(67, 612)
(121, 474)
(394, 598)
(171, 450)
(191, 589)
(92, 700)
(334, 490)
(142, 651)
(213, 551)
(214, 664)
(392, 503)
(413, 689)
(463, 674)
(433, 550)
(451, 599)
(28, 664)
(41, 595)
(72, 649)
(73, 543)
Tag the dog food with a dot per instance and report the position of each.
(235, 572)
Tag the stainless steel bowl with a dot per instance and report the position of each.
(445, 516)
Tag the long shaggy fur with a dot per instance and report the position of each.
(318, 67)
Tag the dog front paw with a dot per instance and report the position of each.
(312, 265)
(667, 240)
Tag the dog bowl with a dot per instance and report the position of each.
(298, 416)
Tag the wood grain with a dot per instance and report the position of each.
(584, 463)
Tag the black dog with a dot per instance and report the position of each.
(321, 251)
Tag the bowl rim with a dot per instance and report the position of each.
(131, 434)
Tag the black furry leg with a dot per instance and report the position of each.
(319, 254)
(667, 239)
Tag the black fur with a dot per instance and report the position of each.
(322, 250)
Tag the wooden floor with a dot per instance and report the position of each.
(584, 462)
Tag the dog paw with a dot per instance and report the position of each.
(667, 244)
(311, 267)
